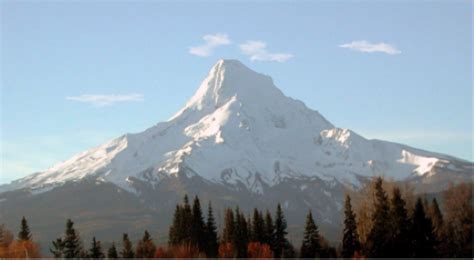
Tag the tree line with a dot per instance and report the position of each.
(397, 230)
(392, 228)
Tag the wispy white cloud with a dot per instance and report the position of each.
(106, 100)
(212, 41)
(365, 46)
(257, 50)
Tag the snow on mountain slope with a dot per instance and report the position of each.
(239, 128)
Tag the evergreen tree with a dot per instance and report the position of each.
(258, 226)
(350, 240)
(378, 239)
(96, 250)
(24, 233)
(229, 226)
(145, 247)
(249, 228)
(280, 241)
(245, 234)
(212, 243)
(244, 229)
(399, 225)
(289, 250)
(182, 229)
(175, 231)
(269, 230)
(438, 227)
(436, 218)
(197, 226)
(423, 237)
(71, 242)
(327, 251)
(240, 234)
(127, 251)
(310, 247)
(58, 248)
(186, 221)
(112, 252)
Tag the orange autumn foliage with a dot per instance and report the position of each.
(226, 250)
(162, 253)
(3, 252)
(259, 250)
(20, 249)
(183, 251)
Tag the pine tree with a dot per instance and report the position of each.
(212, 243)
(257, 231)
(436, 218)
(96, 250)
(269, 230)
(71, 242)
(127, 251)
(145, 247)
(175, 231)
(249, 228)
(350, 240)
(112, 252)
(240, 238)
(197, 226)
(310, 247)
(245, 234)
(182, 229)
(399, 227)
(378, 239)
(280, 241)
(289, 250)
(438, 227)
(327, 251)
(186, 221)
(422, 233)
(244, 229)
(229, 226)
(24, 233)
(58, 248)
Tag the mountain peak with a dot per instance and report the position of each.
(230, 68)
(228, 62)
(227, 68)
(229, 78)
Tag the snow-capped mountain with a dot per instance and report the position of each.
(238, 141)
(239, 128)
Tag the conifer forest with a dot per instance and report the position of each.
(382, 219)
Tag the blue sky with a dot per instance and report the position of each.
(390, 70)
